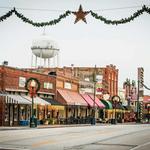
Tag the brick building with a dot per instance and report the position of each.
(107, 77)
(59, 86)
(14, 98)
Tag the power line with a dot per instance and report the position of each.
(32, 9)
(120, 8)
(54, 10)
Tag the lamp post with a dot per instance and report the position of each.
(32, 94)
(115, 100)
(33, 86)
(94, 111)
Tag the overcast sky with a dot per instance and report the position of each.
(127, 46)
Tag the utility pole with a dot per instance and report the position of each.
(94, 81)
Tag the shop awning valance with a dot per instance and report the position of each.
(37, 100)
(70, 98)
(56, 107)
(108, 104)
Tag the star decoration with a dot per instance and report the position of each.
(80, 15)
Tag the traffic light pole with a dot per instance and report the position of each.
(138, 104)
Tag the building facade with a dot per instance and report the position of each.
(66, 94)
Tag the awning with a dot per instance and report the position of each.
(88, 99)
(108, 104)
(70, 98)
(97, 101)
(16, 99)
(52, 101)
(37, 100)
(55, 105)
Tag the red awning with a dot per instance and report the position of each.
(70, 98)
(97, 101)
(88, 99)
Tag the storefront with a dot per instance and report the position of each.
(40, 107)
(75, 106)
(108, 111)
(16, 110)
(55, 112)
(93, 102)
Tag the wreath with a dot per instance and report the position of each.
(37, 84)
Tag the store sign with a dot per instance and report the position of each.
(99, 78)
(22, 81)
(67, 85)
(48, 85)
(99, 87)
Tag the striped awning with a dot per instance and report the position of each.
(97, 101)
(37, 100)
(108, 104)
(17, 99)
(71, 98)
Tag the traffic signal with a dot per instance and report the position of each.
(141, 77)
(141, 110)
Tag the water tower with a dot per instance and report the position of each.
(46, 52)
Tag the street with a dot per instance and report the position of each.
(105, 137)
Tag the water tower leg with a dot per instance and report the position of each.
(54, 62)
(48, 62)
(45, 62)
(40, 58)
(32, 61)
(35, 61)
(57, 60)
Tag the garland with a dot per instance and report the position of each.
(123, 20)
(28, 81)
(67, 13)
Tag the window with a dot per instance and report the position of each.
(67, 85)
(22, 81)
(48, 85)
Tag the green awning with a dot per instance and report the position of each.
(108, 104)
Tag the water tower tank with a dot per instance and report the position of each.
(44, 47)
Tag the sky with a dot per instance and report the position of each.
(126, 46)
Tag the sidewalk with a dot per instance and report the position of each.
(49, 126)
(61, 126)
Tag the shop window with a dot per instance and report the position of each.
(22, 113)
(6, 112)
(15, 113)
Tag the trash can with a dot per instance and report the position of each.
(113, 121)
(93, 121)
(35, 122)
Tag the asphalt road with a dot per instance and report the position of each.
(100, 137)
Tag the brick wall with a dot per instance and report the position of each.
(10, 78)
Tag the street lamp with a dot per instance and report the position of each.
(33, 86)
(115, 100)
(32, 94)
(94, 111)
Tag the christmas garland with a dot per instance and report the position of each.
(67, 13)
(28, 81)
(122, 21)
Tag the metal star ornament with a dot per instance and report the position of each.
(80, 15)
